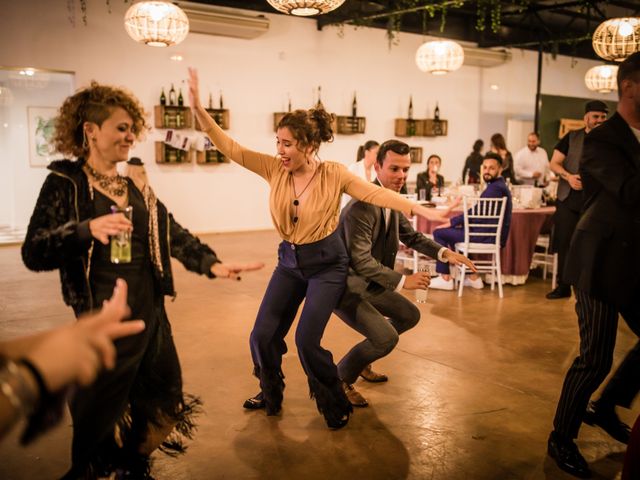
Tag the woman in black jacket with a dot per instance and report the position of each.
(135, 408)
(471, 170)
(430, 179)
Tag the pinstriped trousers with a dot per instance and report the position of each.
(598, 323)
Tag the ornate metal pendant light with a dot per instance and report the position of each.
(156, 23)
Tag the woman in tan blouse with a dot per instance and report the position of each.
(312, 260)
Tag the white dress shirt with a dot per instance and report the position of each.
(526, 162)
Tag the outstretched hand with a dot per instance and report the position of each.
(232, 270)
(77, 352)
(455, 258)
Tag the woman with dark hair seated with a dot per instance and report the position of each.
(430, 179)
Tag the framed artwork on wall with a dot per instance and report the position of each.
(41, 129)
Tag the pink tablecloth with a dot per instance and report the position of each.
(526, 225)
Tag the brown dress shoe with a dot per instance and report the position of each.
(371, 376)
(354, 397)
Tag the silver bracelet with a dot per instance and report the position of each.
(16, 389)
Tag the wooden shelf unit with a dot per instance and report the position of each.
(211, 157)
(351, 125)
(175, 117)
(166, 154)
(220, 115)
(420, 127)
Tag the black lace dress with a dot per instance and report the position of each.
(145, 388)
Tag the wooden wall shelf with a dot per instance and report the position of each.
(220, 115)
(351, 125)
(420, 127)
(416, 154)
(211, 157)
(175, 117)
(166, 154)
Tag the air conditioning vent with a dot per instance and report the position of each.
(485, 57)
(223, 22)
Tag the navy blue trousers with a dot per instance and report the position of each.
(315, 273)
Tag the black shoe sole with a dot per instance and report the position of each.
(381, 380)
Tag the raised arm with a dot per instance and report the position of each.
(260, 163)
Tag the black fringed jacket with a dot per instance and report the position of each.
(58, 237)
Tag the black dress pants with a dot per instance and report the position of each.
(598, 323)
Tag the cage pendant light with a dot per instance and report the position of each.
(304, 8)
(617, 38)
(156, 23)
(602, 78)
(439, 57)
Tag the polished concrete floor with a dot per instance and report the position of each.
(471, 394)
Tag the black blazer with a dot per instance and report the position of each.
(604, 256)
(373, 248)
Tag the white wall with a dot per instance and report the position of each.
(255, 76)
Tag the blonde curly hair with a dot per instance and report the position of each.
(93, 104)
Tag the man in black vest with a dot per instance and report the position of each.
(372, 303)
(564, 163)
(603, 266)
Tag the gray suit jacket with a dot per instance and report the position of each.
(373, 248)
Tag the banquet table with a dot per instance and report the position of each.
(526, 226)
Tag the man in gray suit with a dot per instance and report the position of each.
(373, 287)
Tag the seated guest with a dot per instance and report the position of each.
(430, 178)
(452, 232)
(372, 303)
(531, 163)
(471, 170)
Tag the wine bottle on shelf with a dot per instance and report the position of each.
(210, 101)
(163, 98)
(180, 99)
(436, 112)
(172, 96)
(178, 119)
(319, 104)
(354, 106)
(166, 119)
(221, 102)
(411, 124)
(289, 105)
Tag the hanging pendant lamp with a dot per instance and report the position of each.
(304, 8)
(602, 78)
(617, 38)
(439, 57)
(156, 23)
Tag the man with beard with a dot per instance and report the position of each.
(452, 232)
(564, 163)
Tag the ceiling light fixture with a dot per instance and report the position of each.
(304, 8)
(439, 57)
(602, 78)
(617, 38)
(156, 23)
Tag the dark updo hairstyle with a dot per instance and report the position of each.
(477, 145)
(309, 127)
(93, 104)
(362, 149)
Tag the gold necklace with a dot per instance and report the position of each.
(296, 202)
(115, 185)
